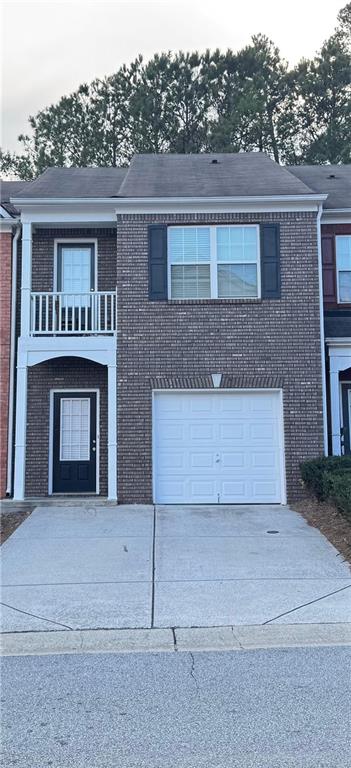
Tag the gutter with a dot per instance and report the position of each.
(321, 318)
(12, 361)
(311, 198)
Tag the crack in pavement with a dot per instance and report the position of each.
(174, 638)
(192, 672)
(35, 616)
(316, 600)
(237, 639)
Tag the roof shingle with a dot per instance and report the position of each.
(335, 180)
(246, 174)
(75, 182)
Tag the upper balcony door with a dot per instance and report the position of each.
(75, 268)
(76, 282)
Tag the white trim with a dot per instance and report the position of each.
(75, 211)
(339, 360)
(37, 349)
(125, 201)
(11, 394)
(76, 240)
(26, 278)
(21, 428)
(321, 327)
(7, 219)
(51, 434)
(281, 429)
(213, 263)
(112, 445)
(339, 342)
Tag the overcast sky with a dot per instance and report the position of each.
(49, 47)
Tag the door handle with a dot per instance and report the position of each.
(93, 449)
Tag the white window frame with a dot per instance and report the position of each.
(213, 263)
(77, 241)
(339, 237)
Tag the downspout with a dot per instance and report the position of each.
(321, 318)
(12, 361)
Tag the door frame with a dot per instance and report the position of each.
(75, 241)
(233, 390)
(82, 391)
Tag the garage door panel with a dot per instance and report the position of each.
(231, 431)
(201, 431)
(264, 460)
(205, 460)
(217, 447)
(202, 405)
(232, 460)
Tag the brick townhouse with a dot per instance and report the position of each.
(171, 343)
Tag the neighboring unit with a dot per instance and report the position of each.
(171, 344)
(336, 250)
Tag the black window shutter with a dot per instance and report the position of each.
(270, 261)
(158, 262)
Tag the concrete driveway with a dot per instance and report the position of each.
(89, 567)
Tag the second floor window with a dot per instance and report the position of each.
(343, 267)
(216, 262)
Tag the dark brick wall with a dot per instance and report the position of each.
(248, 340)
(43, 255)
(61, 373)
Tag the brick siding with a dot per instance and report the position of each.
(246, 340)
(61, 373)
(43, 249)
(5, 331)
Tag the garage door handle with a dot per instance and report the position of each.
(217, 459)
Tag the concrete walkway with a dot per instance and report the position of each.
(79, 568)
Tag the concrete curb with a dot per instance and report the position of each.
(237, 638)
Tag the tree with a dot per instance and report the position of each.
(252, 97)
(193, 102)
(323, 103)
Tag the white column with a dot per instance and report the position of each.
(112, 429)
(335, 411)
(21, 424)
(26, 277)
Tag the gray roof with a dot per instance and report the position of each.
(76, 182)
(10, 189)
(337, 326)
(335, 180)
(209, 175)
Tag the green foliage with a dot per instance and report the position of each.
(340, 493)
(198, 102)
(318, 474)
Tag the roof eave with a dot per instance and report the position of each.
(140, 200)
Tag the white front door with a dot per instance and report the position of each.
(218, 447)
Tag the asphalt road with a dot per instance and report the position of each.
(243, 709)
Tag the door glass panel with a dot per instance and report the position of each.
(75, 429)
(76, 275)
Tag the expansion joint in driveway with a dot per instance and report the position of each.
(303, 605)
(153, 569)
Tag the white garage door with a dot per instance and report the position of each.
(217, 447)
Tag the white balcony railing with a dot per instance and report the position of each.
(73, 313)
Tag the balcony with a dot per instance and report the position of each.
(73, 314)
